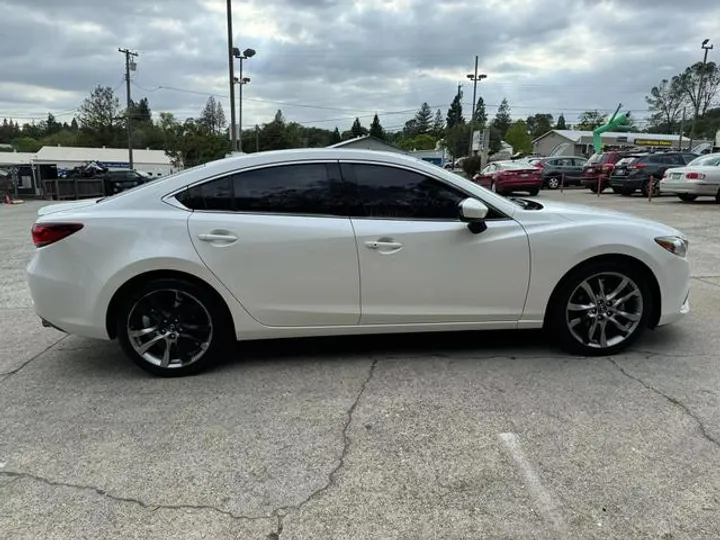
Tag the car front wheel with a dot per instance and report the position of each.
(687, 197)
(173, 327)
(553, 182)
(600, 309)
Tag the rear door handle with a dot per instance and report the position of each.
(217, 237)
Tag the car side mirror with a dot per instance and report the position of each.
(473, 212)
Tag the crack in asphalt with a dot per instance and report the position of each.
(703, 430)
(129, 500)
(706, 282)
(12, 372)
(332, 476)
(278, 514)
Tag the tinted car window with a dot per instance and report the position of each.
(213, 195)
(314, 189)
(389, 192)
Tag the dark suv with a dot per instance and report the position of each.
(565, 169)
(117, 180)
(634, 172)
(599, 167)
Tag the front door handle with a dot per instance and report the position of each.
(220, 237)
(382, 244)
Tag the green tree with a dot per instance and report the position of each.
(518, 137)
(192, 143)
(140, 112)
(213, 116)
(480, 115)
(539, 124)
(457, 139)
(357, 130)
(26, 144)
(591, 120)
(700, 84)
(455, 112)
(423, 141)
(665, 104)
(100, 119)
(336, 138)
(376, 129)
(438, 128)
(502, 118)
(561, 122)
(424, 119)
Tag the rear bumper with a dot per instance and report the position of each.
(520, 185)
(688, 187)
(626, 182)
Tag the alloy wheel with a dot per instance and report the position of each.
(170, 328)
(604, 310)
(553, 183)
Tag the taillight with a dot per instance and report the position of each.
(695, 176)
(44, 234)
(638, 166)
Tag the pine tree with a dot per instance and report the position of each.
(376, 129)
(480, 116)
(502, 119)
(212, 116)
(438, 128)
(455, 113)
(335, 137)
(423, 119)
(357, 130)
(561, 122)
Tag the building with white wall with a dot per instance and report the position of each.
(154, 162)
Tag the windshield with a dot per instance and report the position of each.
(712, 160)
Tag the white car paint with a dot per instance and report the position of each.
(288, 276)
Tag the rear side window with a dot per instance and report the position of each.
(302, 189)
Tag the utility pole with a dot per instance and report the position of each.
(682, 129)
(231, 67)
(475, 78)
(257, 138)
(706, 48)
(130, 65)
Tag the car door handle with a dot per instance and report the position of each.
(382, 244)
(217, 237)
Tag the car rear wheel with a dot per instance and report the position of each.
(173, 327)
(533, 192)
(645, 189)
(687, 197)
(553, 182)
(596, 187)
(600, 309)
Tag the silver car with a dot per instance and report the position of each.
(699, 178)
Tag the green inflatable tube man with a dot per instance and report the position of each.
(616, 123)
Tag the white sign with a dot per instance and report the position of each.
(476, 144)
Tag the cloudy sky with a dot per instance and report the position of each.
(323, 62)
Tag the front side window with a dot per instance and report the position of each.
(389, 192)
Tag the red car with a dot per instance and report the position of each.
(597, 170)
(505, 177)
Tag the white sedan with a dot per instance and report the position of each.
(699, 178)
(331, 241)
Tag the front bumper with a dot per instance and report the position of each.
(682, 187)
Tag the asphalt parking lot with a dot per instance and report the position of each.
(492, 436)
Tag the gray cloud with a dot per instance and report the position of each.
(326, 61)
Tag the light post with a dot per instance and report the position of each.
(241, 81)
(475, 78)
(231, 78)
(706, 48)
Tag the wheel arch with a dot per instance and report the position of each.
(140, 279)
(612, 257)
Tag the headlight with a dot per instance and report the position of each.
(674, 244)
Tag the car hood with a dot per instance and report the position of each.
(581, 213)
(63, 207)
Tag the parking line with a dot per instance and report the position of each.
(544, 502)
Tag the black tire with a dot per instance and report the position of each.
(645, 188)
(144, 304)
(557, 317)
(595, 187)
(616, 190)
(626, 192)
(687, 197)
(533, 192)
(553, 182)
(717, 197)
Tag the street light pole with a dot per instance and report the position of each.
(475, 78)
(705, 47)
(241, 81)
(231, 68)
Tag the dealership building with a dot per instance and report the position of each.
(566, 142)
